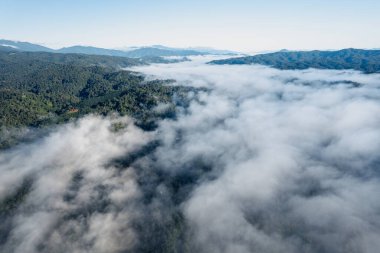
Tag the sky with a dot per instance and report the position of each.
(242, 25)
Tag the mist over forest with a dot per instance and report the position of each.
(237, 158)
(189, 126)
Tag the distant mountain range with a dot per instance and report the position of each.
(367, 61)
(207, 50)
(24, 46)
(138, 52)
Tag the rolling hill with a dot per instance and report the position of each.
(367, 61)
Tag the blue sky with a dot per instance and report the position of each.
(245, 25)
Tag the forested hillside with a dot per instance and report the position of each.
(38, 89)
(114, 62)
(367, 61)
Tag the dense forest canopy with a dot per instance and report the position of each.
(38, 89)
(367, 61)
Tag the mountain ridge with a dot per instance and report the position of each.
(136, 52)
(364, 60)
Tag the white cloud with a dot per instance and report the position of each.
(295, 151)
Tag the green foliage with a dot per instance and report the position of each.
(367, 61)
(35, 92)
(114, 62)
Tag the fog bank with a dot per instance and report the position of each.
(263, 160)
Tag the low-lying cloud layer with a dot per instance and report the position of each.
(73, 200)
(263, 161)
